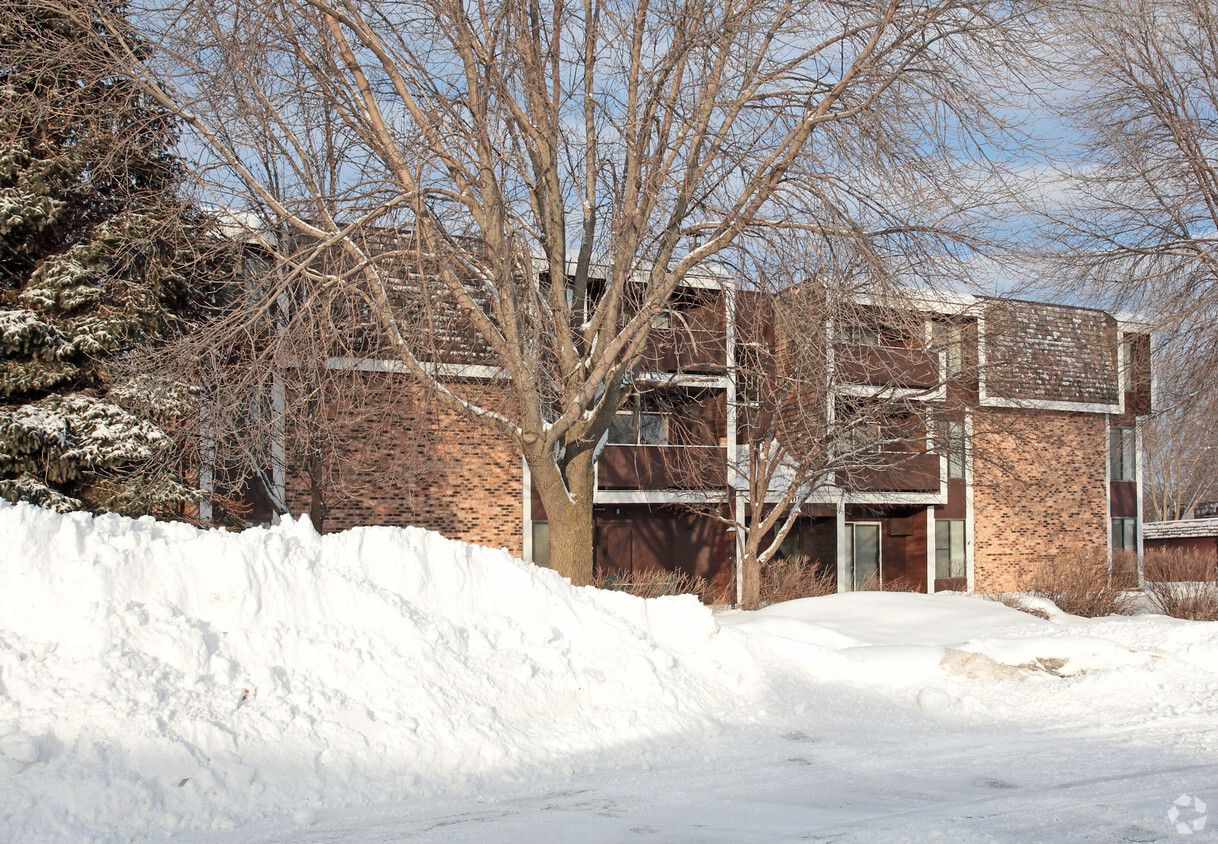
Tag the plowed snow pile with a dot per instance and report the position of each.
(156, 673)
(156, 678)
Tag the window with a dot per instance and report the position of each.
(541, 544)
(948, 338)
(949, 549)
(1121, 447)
(857, 334)
(1127, 365)
(953, 444)
(631, 427)
(1125, 535)
(862, 436)
(863, 555)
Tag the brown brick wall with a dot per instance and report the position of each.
(1038, 489)
(406, 461)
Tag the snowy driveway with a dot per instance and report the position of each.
(844, 781)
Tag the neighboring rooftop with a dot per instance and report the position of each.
(1180, 529)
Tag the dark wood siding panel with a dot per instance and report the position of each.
(640, 538)
(662, 467)
(1138, 400)
(955, 508)
(614, 548)
(1124, 498)
(904, 551)
(895, 472)
(886, 366)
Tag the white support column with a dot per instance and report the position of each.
(279, 405)
(969, 520)
(279, 452)
(1137, 475)
(930, 550)
(739, 518)
(981, 365)
(842, 563)
(734, 498)
(1108, 485)
(526, 510)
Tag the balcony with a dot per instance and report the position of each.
(662, 467)
(685, 350)
(895, 472)
(887, 366)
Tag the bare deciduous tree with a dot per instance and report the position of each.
(283, 381)
(833, 372)
(552, 171)
(1180, 449)
(1138, 222)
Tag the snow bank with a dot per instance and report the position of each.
(157, 678)
(971, 658)
(162, 676)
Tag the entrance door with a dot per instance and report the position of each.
(863, 555)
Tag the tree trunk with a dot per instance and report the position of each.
(571, 543)
(317, 497)
(750, 579)
(568, 505)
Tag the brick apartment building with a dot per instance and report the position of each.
(1026, 444)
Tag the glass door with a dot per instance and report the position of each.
(863, 555)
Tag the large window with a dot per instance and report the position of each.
(1122, 448)
(948, 338)
(1125, 535)
(953, 444)
(857, 334)
(630, 427)
(949, 549)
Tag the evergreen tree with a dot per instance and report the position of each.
(99, 260)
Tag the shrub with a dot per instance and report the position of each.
(899, 584)
(1183, 584)
(1077, 580)
(1125, 569)
(796, 577)
(656, 583)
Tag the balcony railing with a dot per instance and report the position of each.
(662, 467)
(685, 350)
(895, 472)
(887, 366)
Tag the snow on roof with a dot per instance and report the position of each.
(1180, 529)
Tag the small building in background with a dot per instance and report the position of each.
(1190, 536)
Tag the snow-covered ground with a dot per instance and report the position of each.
(158, 681)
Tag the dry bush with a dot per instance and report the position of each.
(895, 584)
(1183, 584)
(799, 577)
(900, 584)
(796, 577)
(1125, 569)
(1077, 581)
(656, 583)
